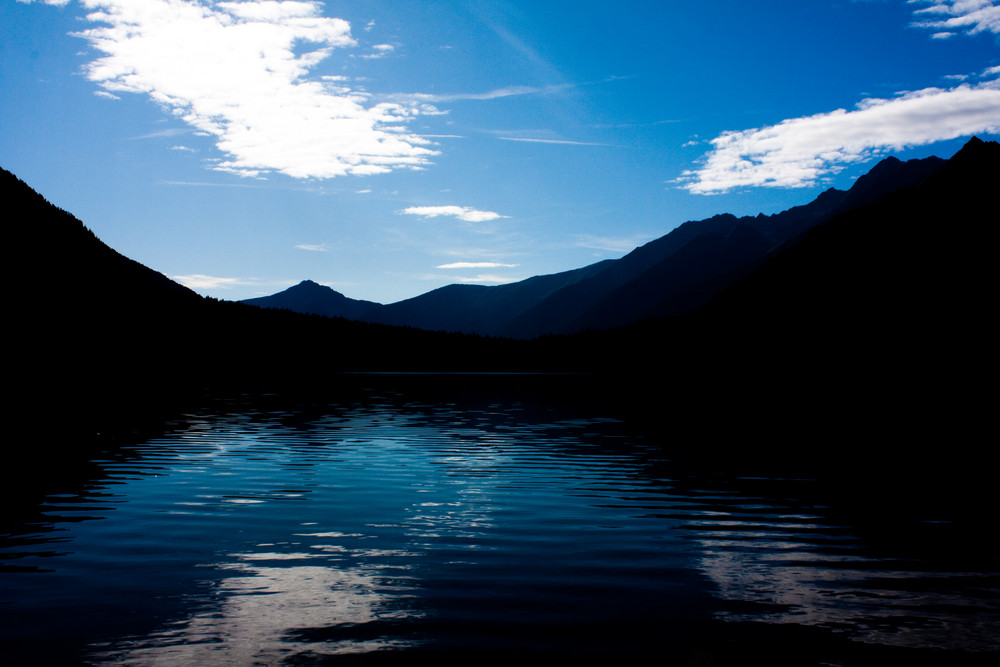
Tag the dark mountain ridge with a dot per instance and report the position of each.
(863, 349)
(874, 326)
(668, 276)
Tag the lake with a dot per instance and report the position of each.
(388, 524)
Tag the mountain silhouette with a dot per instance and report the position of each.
(892, 243)
(866, 344)
(99, 338)
(479, 309)
(669, 276)
(802, 338)
(904, 274)
(314, 299)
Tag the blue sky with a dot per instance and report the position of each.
(389, 147)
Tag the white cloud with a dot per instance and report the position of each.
(476, 265)
(380, 51)
(461, 212)
(230, 70)
(800, 151)
(487, 278)
(314, 247)
(199, 281)
(970, 16)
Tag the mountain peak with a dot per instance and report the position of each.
(310, 297)
(976, 149)
(313, 286)
(889, 175)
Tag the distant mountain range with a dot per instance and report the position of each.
(669, 276)
(866, 316)
(904, 224)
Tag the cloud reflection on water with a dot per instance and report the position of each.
(272, 604)
(791, 573)
(266, 608)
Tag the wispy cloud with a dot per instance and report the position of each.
(203, 184)
(199, 281)
(239, 79)
(950, 17)
(461, 212)
(508, 91)
(566, 142)
(160, 134)
(611, 244)
(541, 136)
(313, 247)
(476, 265)
(800, 151)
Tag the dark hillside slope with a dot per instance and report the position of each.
(69, 253)
(80, 310)
(675, 279)
(867, 341)
(683, 270)
(895, 281)
(96, 333)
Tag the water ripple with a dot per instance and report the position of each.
(254, 537)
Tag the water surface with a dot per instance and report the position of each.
(389, 527)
